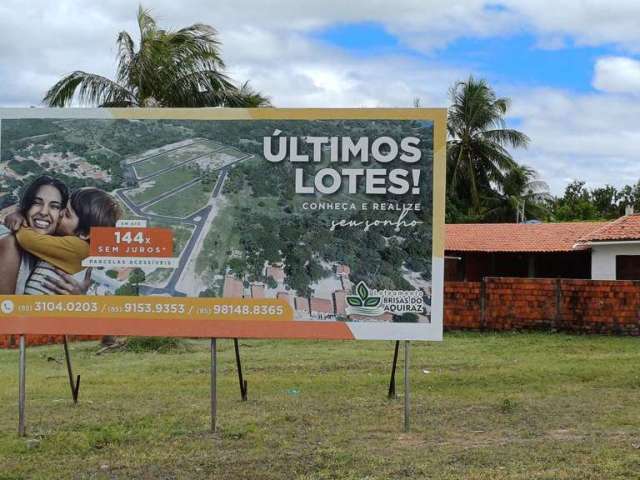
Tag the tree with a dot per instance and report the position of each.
(521, 197)
(271, 283)
(629, 196)
(605, 201)
(477, 158)
(168, 69)
(136, 277)
(126, 290)
(576, 204)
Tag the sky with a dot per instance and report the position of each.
(570, 68)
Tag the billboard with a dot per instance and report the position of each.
(263, 223)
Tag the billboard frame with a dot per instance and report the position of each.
(436, 115)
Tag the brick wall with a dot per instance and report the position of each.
(519, 303)
(581, 306)
(462, 305)
(502, 304)
(601, 306)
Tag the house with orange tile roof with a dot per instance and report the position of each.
(598, 250)
(343, 270)
(322, 308)
(285, 296)
(615, 249)
(340, 302)
(275, 272)
(233, 288)
(302, 304)
(257, 290)
(123, 274)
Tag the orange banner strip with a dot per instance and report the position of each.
(238, 327)
(177, 309)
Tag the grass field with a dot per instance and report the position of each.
(163, 183)
(174, 157)
(183, 203)
(223, 238)
(213, 145)
(153, 165)
(220, 240)
(181, 234)
(484, 406)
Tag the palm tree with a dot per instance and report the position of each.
(168, 69)
(522, 196)
(477, 158)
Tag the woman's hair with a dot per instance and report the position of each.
(29, 195)
(94, 208)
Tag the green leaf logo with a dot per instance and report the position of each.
(363, 303)
(362, 291)
(372, 302)
(354, 301)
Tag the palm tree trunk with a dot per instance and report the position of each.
(455, 169)
(475, 198)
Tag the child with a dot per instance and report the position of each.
(87, 207)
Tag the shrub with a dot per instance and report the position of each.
(155, 344)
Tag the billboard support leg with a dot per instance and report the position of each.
(392, 382)
(75, 386)
(406, 386)
(21, 386)
(243, 383)
(214, 386)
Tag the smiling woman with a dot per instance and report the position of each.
(41, 205)
(43, 202)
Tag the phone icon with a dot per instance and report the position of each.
(6, 307)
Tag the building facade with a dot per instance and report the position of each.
(581, 250)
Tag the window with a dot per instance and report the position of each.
(628, 267)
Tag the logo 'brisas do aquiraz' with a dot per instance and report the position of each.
(363, 303)
(372, 303)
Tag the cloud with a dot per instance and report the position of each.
(590, 22)
(617, 75)
(40, 42)
(305, 73)
(43, 40)
(592, 137)
(588, 136)
(265, 45)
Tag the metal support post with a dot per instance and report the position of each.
(214, 393)
(21, 386)
(75, 386)
(392, 383)
(243, 383)
(406, 386)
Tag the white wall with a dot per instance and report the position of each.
(603, 258)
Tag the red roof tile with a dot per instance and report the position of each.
(276, 273)
(233, 288)
(302, 303)
(339, 296)
(624, 228)
(257, 291)
(321, 305)
(343, 270)
(285, 296)
(517, 237)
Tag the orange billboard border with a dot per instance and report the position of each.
(238, 327)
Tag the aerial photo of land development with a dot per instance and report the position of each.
(240, 230)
